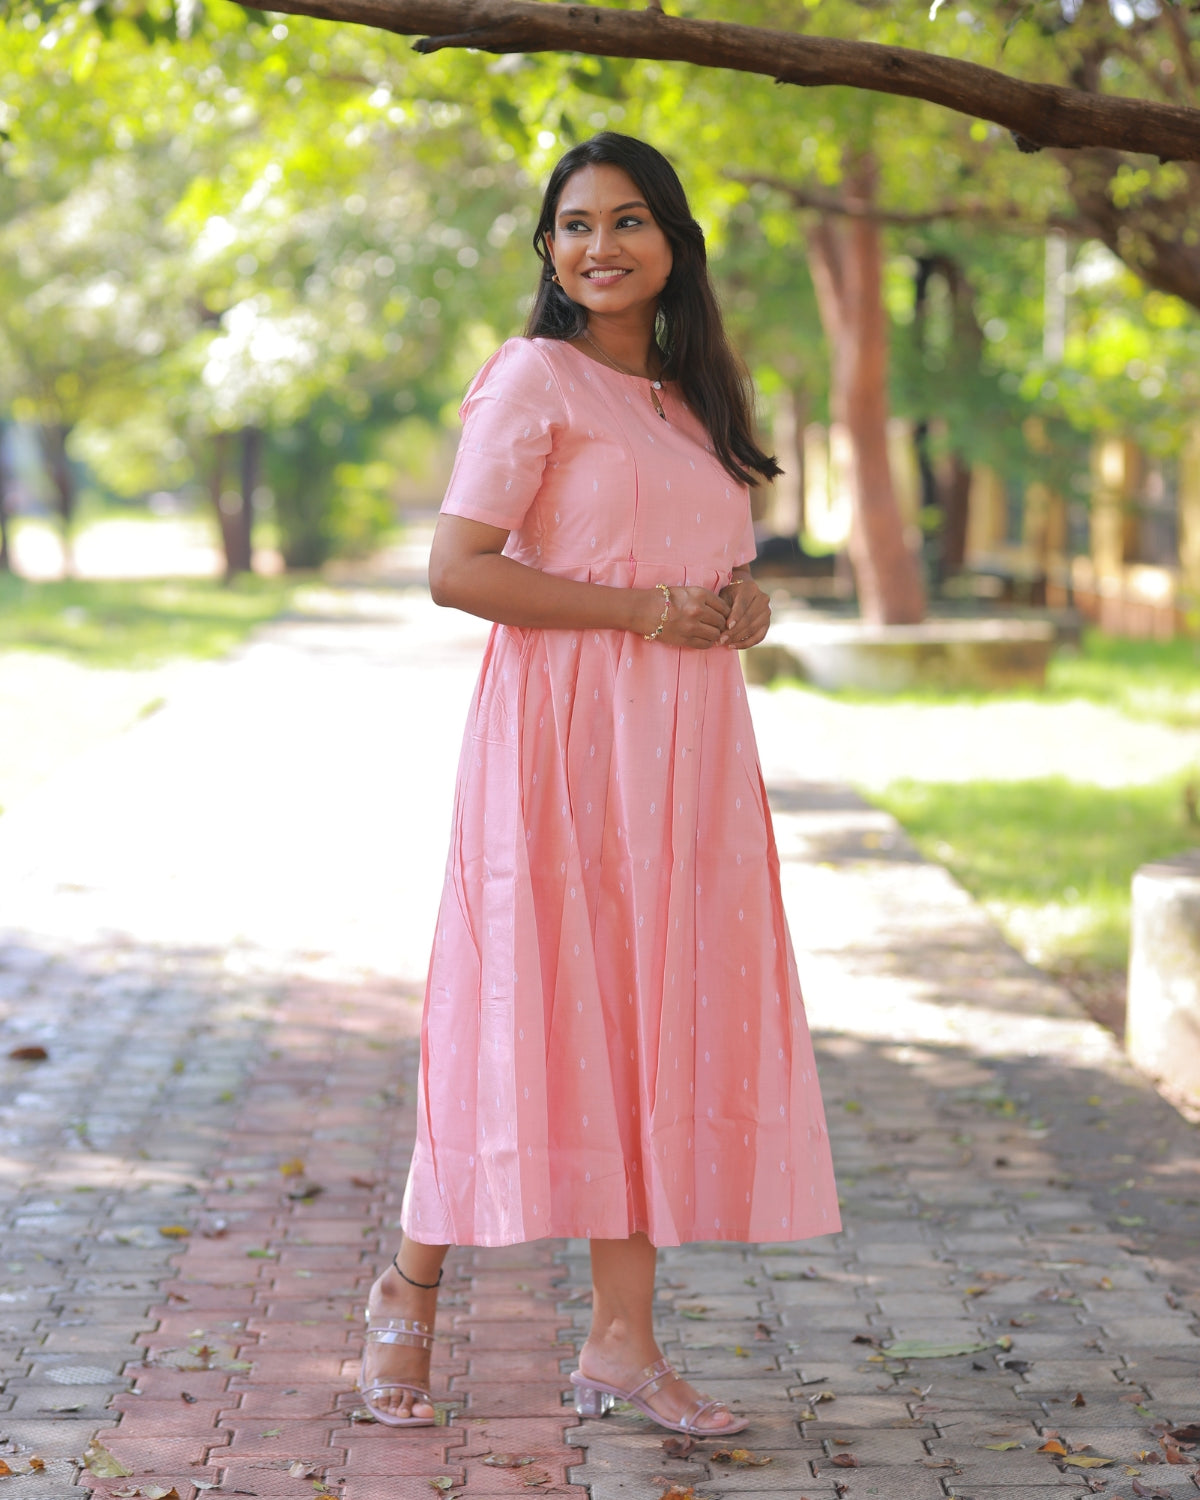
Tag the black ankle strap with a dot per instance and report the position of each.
(425, 1286)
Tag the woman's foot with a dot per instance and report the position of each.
(620, 1362)
(392, 1297)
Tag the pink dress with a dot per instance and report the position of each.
(613, 1037)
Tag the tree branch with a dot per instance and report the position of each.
(1183, 44)
(1005, 217)
(1037, 114)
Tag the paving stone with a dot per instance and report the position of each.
(896, 950)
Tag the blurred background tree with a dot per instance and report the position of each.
(257, 259)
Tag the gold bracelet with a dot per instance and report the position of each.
(666, 593)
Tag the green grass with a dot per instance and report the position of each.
(1051, 858)
(1158, 680)
(1145, 679)
(136, 622)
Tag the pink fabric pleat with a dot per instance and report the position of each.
(614, 1037)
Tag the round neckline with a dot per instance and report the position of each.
(663, 385)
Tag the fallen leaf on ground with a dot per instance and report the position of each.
(868, 1338)
(678, 1492)
(301, 1192)
(1088, 1461)
(924, 1349)
(1078, 1399)
(844, 1461)
(363, 1182)
(1004, 1342)
(807, 1415)
(174, 1231)
(1173, 1454)
(126, 1492)
(508, 1460)
(740, 1456)
(159, 1492)
(1003, 1447)
(294, 1167)
(442, 1483)
(823, 1396)
(1188, 1434)
(840, 1488)
(5, 1471)
(100, 1462)
(300, 1469)
(678, 1447)
(29, 1054)
(537, 1477)
(188, 1397)
(761, 1331)
(1149, 1493)
(1052, 1445)
(37, 1465)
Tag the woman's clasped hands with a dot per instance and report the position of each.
(739, 616)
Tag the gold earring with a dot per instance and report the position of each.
(555, 279)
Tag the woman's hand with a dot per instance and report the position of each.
(695, 617)
(749, 614)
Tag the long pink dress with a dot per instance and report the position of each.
(613, 1038)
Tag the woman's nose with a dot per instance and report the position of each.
(601, 242)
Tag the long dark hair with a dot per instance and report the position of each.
(690, 335)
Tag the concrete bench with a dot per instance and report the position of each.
(1162, 1027)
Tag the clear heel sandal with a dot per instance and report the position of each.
(395, 1331)
(594, 1399)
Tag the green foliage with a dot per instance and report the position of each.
(1052, 858)
(212, 217)
(1145, 679)
(136, 623)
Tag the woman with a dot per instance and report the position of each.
(614, 1044)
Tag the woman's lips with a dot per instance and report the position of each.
(605, 277)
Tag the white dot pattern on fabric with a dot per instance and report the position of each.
(610, 897)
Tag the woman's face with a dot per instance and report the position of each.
(608, 251)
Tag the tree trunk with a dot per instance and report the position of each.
(54, 447)
(948, 492)
(223, 501)
(955, 496)
(846, 259)
(243, 561)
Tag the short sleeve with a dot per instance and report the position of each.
(510, 416)
(746, 549)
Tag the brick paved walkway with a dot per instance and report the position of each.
(1006, 1176)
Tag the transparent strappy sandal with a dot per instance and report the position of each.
(595, 1399)
(395, 1331)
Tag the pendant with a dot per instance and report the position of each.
(655, 387)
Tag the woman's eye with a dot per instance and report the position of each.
(573, 226)
(628, 221)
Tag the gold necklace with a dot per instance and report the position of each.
(655, 385)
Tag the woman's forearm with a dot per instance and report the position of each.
(510, 593)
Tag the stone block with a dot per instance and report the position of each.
(1162, 1026)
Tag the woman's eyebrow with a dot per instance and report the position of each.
(584, 213)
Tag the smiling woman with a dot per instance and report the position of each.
(614, 1044)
